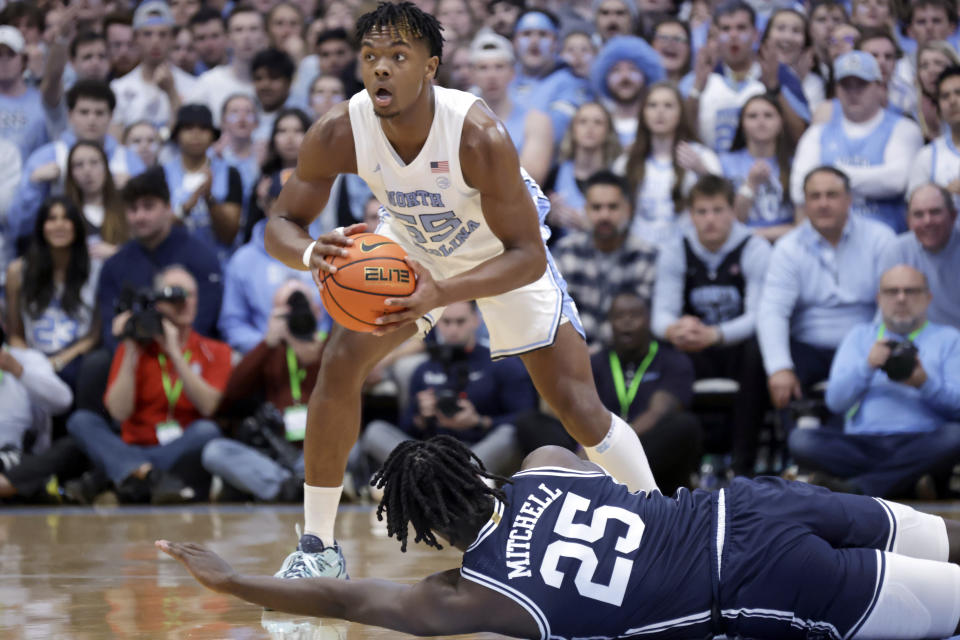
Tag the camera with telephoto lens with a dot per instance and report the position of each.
(146, 321)
(902, 361)
(454, 361)
(301, 322)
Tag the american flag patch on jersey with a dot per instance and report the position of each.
(440, 167)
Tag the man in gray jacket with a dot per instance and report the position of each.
(705, 302)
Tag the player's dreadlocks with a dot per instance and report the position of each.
(432, 484)
(403, 16)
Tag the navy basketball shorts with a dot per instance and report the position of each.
(798, 561)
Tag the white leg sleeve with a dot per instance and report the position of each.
(918, 599)
(621, 455)
(916, 534)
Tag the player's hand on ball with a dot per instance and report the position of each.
(331, 244)
(424, 299)
(204, 565)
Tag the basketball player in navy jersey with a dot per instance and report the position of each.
(563, 551)
(456, 199)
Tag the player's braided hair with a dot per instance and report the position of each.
(403, 16)
(432, 485)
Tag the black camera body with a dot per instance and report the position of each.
(301, 322)
(902, 361)
(264, 431)
(454, 360)
(146, 321)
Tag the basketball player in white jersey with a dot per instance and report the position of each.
(455, 198)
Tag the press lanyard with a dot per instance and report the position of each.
(910, 336)
(623, 395)
(172, 391)
(297, 375)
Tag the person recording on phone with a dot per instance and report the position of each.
(165, 384)
(460, 392)
(897, 383)
(268, 391)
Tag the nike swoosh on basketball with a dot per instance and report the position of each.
(370, 247)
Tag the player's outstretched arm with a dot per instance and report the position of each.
(327, 151)
(433, 606)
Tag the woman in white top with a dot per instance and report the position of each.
(664, 163)
(91, 188)
(590, 144)
(50, 291)
(787, 33)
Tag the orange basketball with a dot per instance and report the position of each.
(373, 271)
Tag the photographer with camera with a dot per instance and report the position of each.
(165, 383)
(263, 458)
(897, 382)
(460, 392)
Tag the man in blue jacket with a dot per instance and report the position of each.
(157, 242)
(901, 406)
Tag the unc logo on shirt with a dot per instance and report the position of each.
(444, 230)
(54, 330)
(716, 304)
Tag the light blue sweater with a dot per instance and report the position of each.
(816, 293)
(887, 407)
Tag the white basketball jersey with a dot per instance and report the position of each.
(427, 206)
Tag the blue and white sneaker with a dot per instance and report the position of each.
(313, 559)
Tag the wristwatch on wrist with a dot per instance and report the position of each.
(694, 93)
(746, 191)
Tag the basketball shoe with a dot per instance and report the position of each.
(313, 559)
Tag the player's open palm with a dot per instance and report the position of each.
(204, 565)
(425, 298)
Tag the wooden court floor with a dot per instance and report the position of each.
(78, 573)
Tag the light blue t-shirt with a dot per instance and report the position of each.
(22, 121)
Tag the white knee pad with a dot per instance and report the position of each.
(918, 599)
(916, 534)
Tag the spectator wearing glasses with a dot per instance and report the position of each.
(671, 39)
(898, 403)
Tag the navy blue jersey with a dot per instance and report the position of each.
(588, 559)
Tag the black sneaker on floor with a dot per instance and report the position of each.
(84, 489)
(167, 488)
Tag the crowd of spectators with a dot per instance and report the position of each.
(762, 192)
